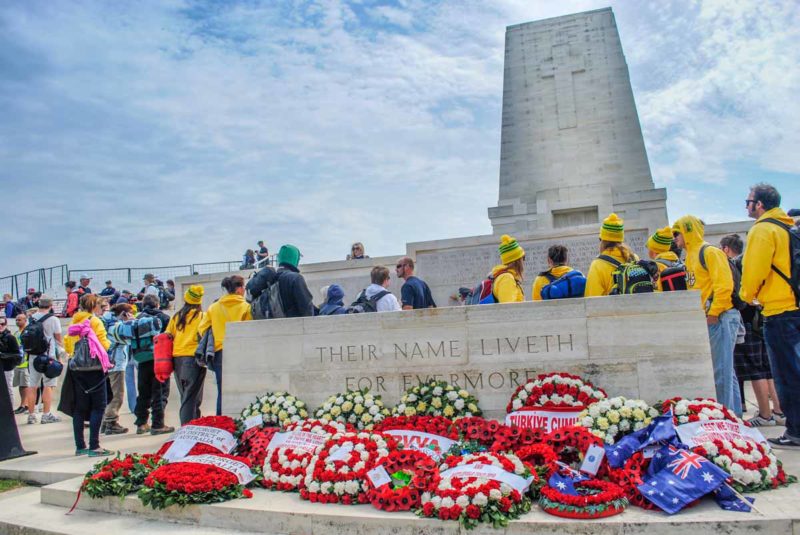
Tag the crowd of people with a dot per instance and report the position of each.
(749, 296)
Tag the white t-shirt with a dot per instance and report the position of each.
(51, 326)
(151, 289)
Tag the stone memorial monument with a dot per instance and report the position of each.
(571, 148)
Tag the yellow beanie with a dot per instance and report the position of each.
(612, 229)
(510, 250)
(194, 295)
(661, 241)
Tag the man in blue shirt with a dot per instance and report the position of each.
(414, 293)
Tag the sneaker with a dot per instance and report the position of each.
(20, 410)
(142, 429)
(779, 418)
(162, 430)
(50, 418)
(784, 442)
(81, 451)
(99, 452)
(31, 418)
(759, 421)
(39, 407)
(115, 429)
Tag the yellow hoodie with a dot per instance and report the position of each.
(670, 256)
(541, 281)
(507, 287)
(599, 280)
(767, 246)
(184, 342)
(717, 279)
(97, 326)
(231, 307)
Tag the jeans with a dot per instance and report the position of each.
(117, 382)
(782, 334)
(152, 395)
(130, 384)
(190, 378)
(90, 404)
(722, 336)
(216, 367)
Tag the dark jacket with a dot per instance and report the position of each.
(335, 304)
(108, 291)
(261, 281)
(9, 351)
(297, 300)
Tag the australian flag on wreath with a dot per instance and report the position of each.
(660, 431)
(684, 477)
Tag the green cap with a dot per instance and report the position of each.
(289, 254)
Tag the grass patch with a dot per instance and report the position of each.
(10, 484)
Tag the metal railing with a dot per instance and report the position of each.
(41, 280)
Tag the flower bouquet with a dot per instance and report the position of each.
(355, 407)
(120, 476)
(611, 419)
(285, 464)
(595, 499)
(408, 474)
(206, 443)
(338, 473)
(752, 467)
(197, 479)
(686, 411)
(433, 435)
(276, 409)
(437, 398)
(481, 487)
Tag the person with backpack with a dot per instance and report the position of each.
(11, 308)
(750, 359)
(183, 328)
(614, 253)
(376, 297)
(73, 299)
(89, 387)
(152, 395)
(559, 280)
(118, 353)
(771, 276)
(415, 293)
(660, 250)
(231, 307)
(708, 269)
(41, 337)
(333, 301)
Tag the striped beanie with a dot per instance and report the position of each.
(194, 295)
(510, 250)
(661, 241)
(612, 229)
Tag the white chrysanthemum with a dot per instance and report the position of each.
(480, 499)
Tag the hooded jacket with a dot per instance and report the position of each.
(335, 304)
(507, 287)
(97, 326)
(231, 307)
(767, 246)
(599, 280)
(716, 281)
(541, 281)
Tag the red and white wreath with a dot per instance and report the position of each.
(556, 389)
(226, 424)
(285, 466)
(751, 465)
(471, 500)
(338, 473)
(685, 411)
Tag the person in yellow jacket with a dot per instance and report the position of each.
(659, 249)
(88, 387)
(557, 260)
(507, 285)
(766, 275)
(184, 329)
(230, 307)
(599, 281)
(708, 270)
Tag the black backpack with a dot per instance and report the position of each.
(673, 278)
(34, 342)
(634, 277)
(793, 278)
(82, 359)
(737, 302)
(367, 304)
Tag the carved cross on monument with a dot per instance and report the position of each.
(562, 66)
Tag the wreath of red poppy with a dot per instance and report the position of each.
(512, 438)
(570, 443)
(435, 425)
(420, 474)
(253, 444)
(629, 477)
(596, 499)
(225, 423)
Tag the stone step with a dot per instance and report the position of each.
(22, 513)
(276, 512)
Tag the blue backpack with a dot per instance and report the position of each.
(570, 284)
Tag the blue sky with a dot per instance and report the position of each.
(176, 132)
